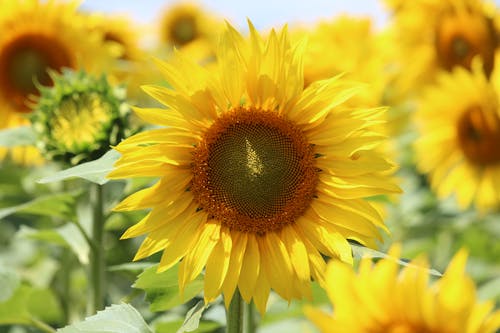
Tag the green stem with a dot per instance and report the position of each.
(250, 318)
(97, 264)
(89, 240)
(65, 287)
(234, 315)
(42, 326)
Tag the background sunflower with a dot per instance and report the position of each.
(37, 36)
(386, 300)
(459, 122)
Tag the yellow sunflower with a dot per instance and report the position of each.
(459, 124)
(347, 45)
(133, 67)
(119, 30)
(258, 177)
(186, 22)
(38, 35)
(351, 46)
(435, 35)
(379, 299)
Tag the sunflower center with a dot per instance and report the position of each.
(111, 36)
(79, 121)
(462, 36)
(25, 60)
(183, 30)
(479, 136)
(254, 171)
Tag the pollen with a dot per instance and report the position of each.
(254, 171)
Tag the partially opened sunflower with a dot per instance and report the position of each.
(258, 177)
(382, 299)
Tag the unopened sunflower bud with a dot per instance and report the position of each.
(78, 118)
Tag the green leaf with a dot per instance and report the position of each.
(172, 326)
(123, 318)
(44, 235)
(15, 309)
(490, 290)
(193, 316)
(27, 303)
(76, 241)
(17, 136)
(67, 235)
(130, 267)
(56, 205)
(9, 281)
(362, 252)
(43, 304)
(94, 171)
(162, 289)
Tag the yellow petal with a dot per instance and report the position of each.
(162, 215)
(276, 262)
(168, 189)
(250, 269)
(298, 253)
(261, 292)
(196, 258)
(170, 118)
(326, 238)
(217, 266)
(235, 262)
(190, 232)
(319, 98)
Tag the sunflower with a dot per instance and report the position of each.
(185, 22)
(436, 35)
(120, 31)
(133, 66)
(79, 117)
(459, 124)
(37, 36)
(341, 45)
(379, 299)
(258, 177)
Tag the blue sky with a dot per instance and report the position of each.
(264, 14)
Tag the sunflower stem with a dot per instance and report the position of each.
(97, 264)
(250, 318)
(41, 325)
(235, 314)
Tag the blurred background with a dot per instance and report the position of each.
(264, 14)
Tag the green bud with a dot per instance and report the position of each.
(78, 118)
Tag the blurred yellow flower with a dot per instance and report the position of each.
(133, 66)
(35, 36)
(346, 45)
(459, 124)
(379, 299)
(186, 22)
(435, 35)
(259, 176)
